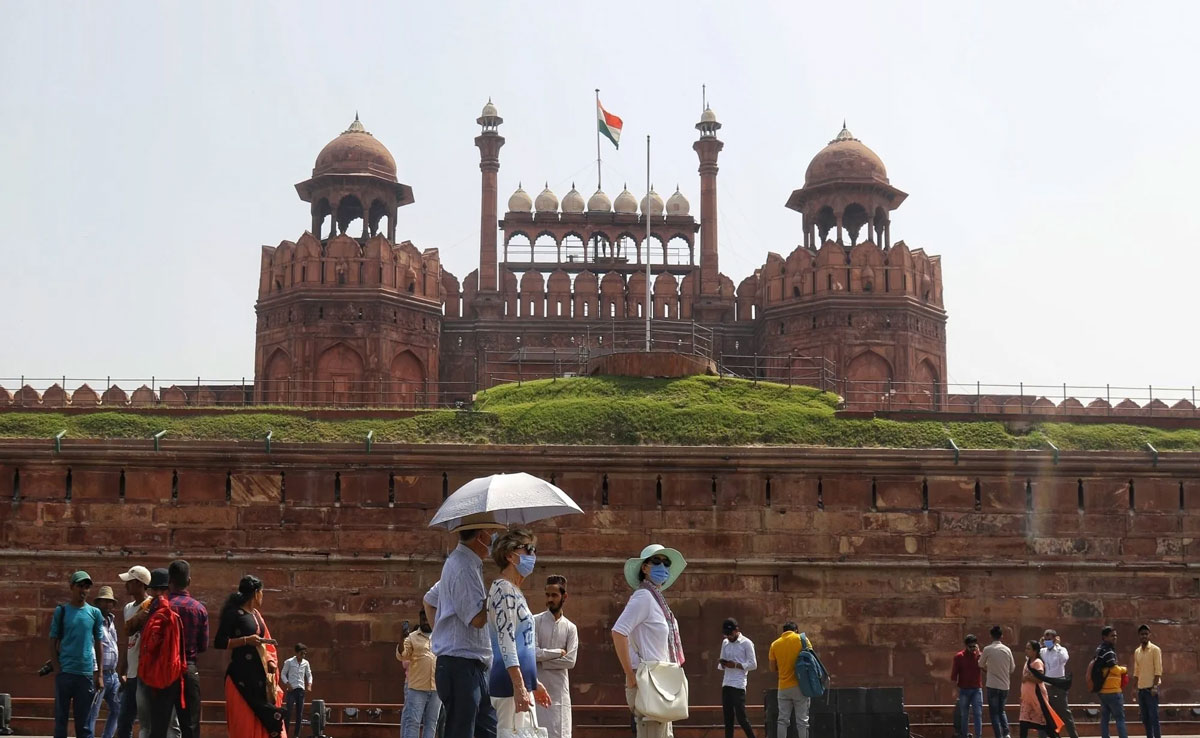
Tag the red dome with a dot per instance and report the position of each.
(845, 158)
(355, 151)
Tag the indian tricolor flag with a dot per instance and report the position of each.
(610, 125)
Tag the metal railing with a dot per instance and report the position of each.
(1019, 399)
(166, 392)
(810, 371)
(525, 363)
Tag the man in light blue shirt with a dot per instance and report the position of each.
(460, 638)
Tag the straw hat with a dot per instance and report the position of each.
(480, 521)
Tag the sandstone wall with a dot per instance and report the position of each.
(887, 558)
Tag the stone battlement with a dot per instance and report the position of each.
(887, 557)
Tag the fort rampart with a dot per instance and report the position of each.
(886, 557)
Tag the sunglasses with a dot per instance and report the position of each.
(531, 550)
(659, 560)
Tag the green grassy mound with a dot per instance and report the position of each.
(615, 410)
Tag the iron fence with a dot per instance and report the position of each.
(525, 363)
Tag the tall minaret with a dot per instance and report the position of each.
(489, 142)
(708, 147)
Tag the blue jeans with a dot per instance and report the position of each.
(997, 699)
(1148, 707)
(81, 689)
(420, 716)
(294, 702)
(1112, 705)
(970, 705)
(462, 687)
(112, 698)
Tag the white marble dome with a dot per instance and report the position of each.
(625, 202)
(489, 110)
(547, 201)
(708, 116)
(656, 203)
(599, 203)
(520, 201)
(677, 204)
(572, 202)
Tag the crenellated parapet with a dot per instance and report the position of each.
(346, 262)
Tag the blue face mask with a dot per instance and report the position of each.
(659, 574)
(525, 564)
(1048, 644)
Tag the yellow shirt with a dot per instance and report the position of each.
(1147, 664)
(1112, 680)
(421, 661)
(783, 652)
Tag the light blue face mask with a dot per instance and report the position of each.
(525, 564)
(1048, 644)
(659, 574)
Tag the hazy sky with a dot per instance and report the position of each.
(1049, 149)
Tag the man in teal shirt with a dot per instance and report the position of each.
(76, 652)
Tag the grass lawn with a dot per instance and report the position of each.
(698, 410)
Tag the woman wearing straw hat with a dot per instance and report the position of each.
(647, 632)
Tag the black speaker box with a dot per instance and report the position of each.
(826, 704)
(885, 700)
(822, 725)
(873, 726)
(850, 700)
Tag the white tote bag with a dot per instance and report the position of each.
(523, 725)
(662, 691)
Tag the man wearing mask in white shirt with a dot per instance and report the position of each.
(1055, 657)
(737, 659)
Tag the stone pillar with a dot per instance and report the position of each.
(708, 147)
(489, 144)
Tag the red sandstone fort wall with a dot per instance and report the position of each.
(887, 558)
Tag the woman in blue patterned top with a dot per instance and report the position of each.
(513, 676)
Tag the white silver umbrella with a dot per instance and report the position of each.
(504, 499)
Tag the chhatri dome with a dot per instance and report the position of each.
(625, 202)
(845, 159)
(599, 203)
(572, 202)
(547, 201)
(355, 151)
(677, 204)
(656, 202)
(520, 201)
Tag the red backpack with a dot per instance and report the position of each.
(161, 662)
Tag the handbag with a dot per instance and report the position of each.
(524, 725)
(662, 691)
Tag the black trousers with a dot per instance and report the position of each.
(162, 701)
(733, 703)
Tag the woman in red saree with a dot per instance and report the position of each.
(253, 699)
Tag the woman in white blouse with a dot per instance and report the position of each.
(647, 629)
(513, 678)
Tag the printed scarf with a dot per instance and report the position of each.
(674, 647)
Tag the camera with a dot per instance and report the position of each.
(46, 668)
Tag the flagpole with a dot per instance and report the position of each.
(597, 126)
(649, 210)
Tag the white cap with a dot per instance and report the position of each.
(140, 573)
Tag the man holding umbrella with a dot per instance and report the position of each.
(460, 636)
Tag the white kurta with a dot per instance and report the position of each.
(554, 636)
